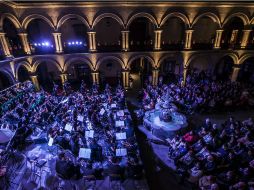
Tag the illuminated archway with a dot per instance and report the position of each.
(173, 32)
(110, 70)
(14, 42)
(108, 34)
(141, 27)
(74, 30)
(204, 33)
(40, 36)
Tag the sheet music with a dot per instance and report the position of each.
(65, 100)
(89, 126)
(120, 113)
(68, 127)
(102, 111)
(120, 136)
(80, 118)
(113, 105)
(119, 123)
(121, 152)
(89, 134)
(85, 153)
(51, 141)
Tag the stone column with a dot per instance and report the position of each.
(125, 40)
(185, 70)
(95, 77)
(155, 76)
(217, 42)
(64, 77)
(58, 42)
(35, 82)
(92, 41)
(126, 82)
(233, 37)
(235, 72)
(25, 43)
(245, 38)
(157, 40)
(4, 45)
(188, 39)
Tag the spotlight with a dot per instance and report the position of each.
(43, 44)
(35, 44)
(69, 43)
(39, 44)
(72, 43)
(80, 43)
(46, 44)
(77, 42)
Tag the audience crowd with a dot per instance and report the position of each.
(201, 93)
(216, 157)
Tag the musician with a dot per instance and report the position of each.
(66, 168)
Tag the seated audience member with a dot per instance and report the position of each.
(206, 182)
(195, 173)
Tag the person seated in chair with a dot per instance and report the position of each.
(66, 168)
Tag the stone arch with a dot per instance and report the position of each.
(110, 68)
(29, 18)
(39, 61)
(24, 64)
(150, 59)
(170, 66)
(117, 59)
(10, 78)
(244, 58)
(12, 18)
(204, 30)
(85, 60)
(105, 15)
(181, 16)
(64, 18)
(246, 72)
(195, 57)
(142, 14)
(240, 15)
(211, 15)
(224, 67)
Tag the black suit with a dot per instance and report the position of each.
(66, 169)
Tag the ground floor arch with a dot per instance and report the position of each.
(246, 73)
(48, 74)
(79, 71)
(5, 80)
(23, 74)
(224, 68)
(110, 72)
(140, 72)
(170, 70)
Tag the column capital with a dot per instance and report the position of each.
(236, 66)
(157, 31)
(2, 33)
(22, 33)
(219, 30)
(246, 30)
(91, 32)
(125, 31)
(57, 33)
(189, 30)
